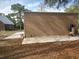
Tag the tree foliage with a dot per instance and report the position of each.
(60, 2)
(2, 14)
(74, 9)
(19, 9)
(11, 17)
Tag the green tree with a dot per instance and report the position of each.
(74, 9)
(60, 2)
(19, 9)
(11, 17)
(2, 14)
(19, 23)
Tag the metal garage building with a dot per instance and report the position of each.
(46, 23)
(6, 24)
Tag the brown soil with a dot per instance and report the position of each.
(11, 42)
(4, 34)
(56, 50)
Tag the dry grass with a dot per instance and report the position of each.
(6, 33)
(57, 50)
(11, 42)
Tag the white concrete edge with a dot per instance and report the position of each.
(48, 39)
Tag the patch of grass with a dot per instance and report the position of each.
(4, 34)
(10, 42)
(7, 32)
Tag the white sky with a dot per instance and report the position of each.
(5, 5)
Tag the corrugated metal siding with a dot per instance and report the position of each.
(45, 24)
(9, 27)
(5, 20)
(2, 26)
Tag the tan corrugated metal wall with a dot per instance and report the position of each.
(2, 26)
(45, 24)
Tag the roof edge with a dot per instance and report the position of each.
(52, 12)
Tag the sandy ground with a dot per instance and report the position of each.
(49, 39)
(4, 34)
(65, 50)
(15, 35)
